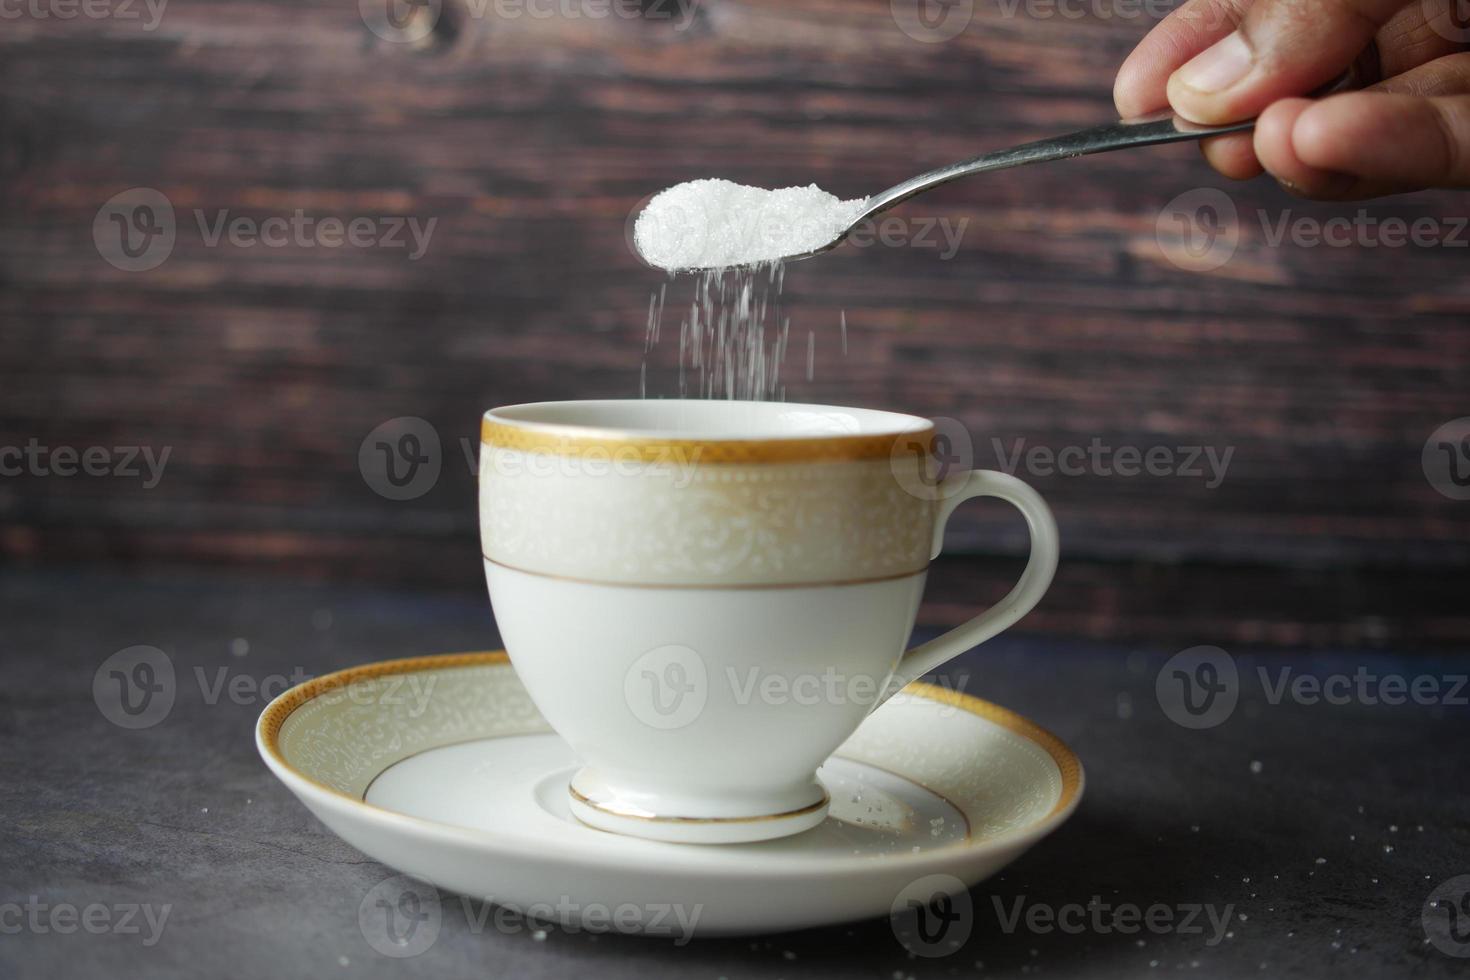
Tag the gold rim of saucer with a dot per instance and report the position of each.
(653, 449)
(268, 728)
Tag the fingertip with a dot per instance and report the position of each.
(1319, 132)
(1379, 143)
(1212, 87)
(1272, 142)
(1141, 84)
(1183, 100)
(1124, 99)
(1136, 89)
(1207, 109)
(1277, 147)
(1232, 155)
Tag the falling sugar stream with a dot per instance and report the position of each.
(733, 338)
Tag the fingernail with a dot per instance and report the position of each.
(1219, 66)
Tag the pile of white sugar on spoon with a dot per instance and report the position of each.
(733, 338)
(719, 224)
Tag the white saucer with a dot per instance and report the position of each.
(442, 768)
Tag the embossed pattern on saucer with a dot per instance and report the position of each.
(442, 768)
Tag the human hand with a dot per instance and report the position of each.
(1219, 61)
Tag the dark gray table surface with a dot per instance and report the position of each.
(1320, 829)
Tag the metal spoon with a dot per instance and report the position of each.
(1165, 127)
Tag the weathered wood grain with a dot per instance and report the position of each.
(1059, 320)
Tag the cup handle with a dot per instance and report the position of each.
(1026, 593)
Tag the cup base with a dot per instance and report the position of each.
(599, 810)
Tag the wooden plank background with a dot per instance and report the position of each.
(531, 140)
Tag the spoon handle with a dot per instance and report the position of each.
(1162, 128)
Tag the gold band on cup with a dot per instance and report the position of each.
(651, 449)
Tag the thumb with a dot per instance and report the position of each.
(1282, 48)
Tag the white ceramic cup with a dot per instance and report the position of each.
(705, 598)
